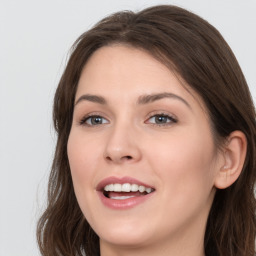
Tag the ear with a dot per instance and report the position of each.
(234, 154)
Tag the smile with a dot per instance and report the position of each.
(123, 193)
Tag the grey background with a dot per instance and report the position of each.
(35, 37)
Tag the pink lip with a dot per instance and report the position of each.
(126, 203)
(120, 180)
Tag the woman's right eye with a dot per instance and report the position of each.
(93, 120)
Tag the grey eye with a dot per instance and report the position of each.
(95, 120)
(161, 119)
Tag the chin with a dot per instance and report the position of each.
(125, 236)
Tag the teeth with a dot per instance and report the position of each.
(117, 187)
(121, 197)
(127, 187)
(148, 190)
(134, 187)
(111, 187)
(142, 189)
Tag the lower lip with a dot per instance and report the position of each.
(125, 203)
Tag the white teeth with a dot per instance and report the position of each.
(134, 187)
(127, 187)
(148, 190)
(121, 197)
(142, 189)
(111, 187)
(117, 187)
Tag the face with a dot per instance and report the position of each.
(141, 152)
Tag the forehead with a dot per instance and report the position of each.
(122, 62)
(123, 69)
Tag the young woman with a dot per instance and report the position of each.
(156, 149)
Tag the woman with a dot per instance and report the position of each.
(156, 142)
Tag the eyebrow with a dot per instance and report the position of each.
(143, 99)
(91, 98)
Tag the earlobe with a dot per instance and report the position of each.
(234, 154)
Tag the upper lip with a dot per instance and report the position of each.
(120, 180)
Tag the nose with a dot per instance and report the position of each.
(122, 146)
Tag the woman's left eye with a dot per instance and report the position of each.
(161, 119)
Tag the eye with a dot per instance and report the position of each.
(93, 120)
(161, 119)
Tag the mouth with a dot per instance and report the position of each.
(123, 193)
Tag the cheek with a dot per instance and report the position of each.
(82, 164)
(83, 159)
(83, 155)
(185, 163)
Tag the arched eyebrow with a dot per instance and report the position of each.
(143, 99)
(91, 98)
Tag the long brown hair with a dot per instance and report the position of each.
(194, 49)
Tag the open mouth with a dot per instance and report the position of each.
(124, 191)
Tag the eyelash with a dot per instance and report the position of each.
(87, 117)
(171, 118)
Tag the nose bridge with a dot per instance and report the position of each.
(122, 144)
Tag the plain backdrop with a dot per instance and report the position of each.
(35, 38)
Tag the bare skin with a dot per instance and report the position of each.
(142, 123)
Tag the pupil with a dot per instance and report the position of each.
(161, 119)
(97, 120)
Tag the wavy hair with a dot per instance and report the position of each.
(195, 50)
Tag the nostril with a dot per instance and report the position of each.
(117, 159)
